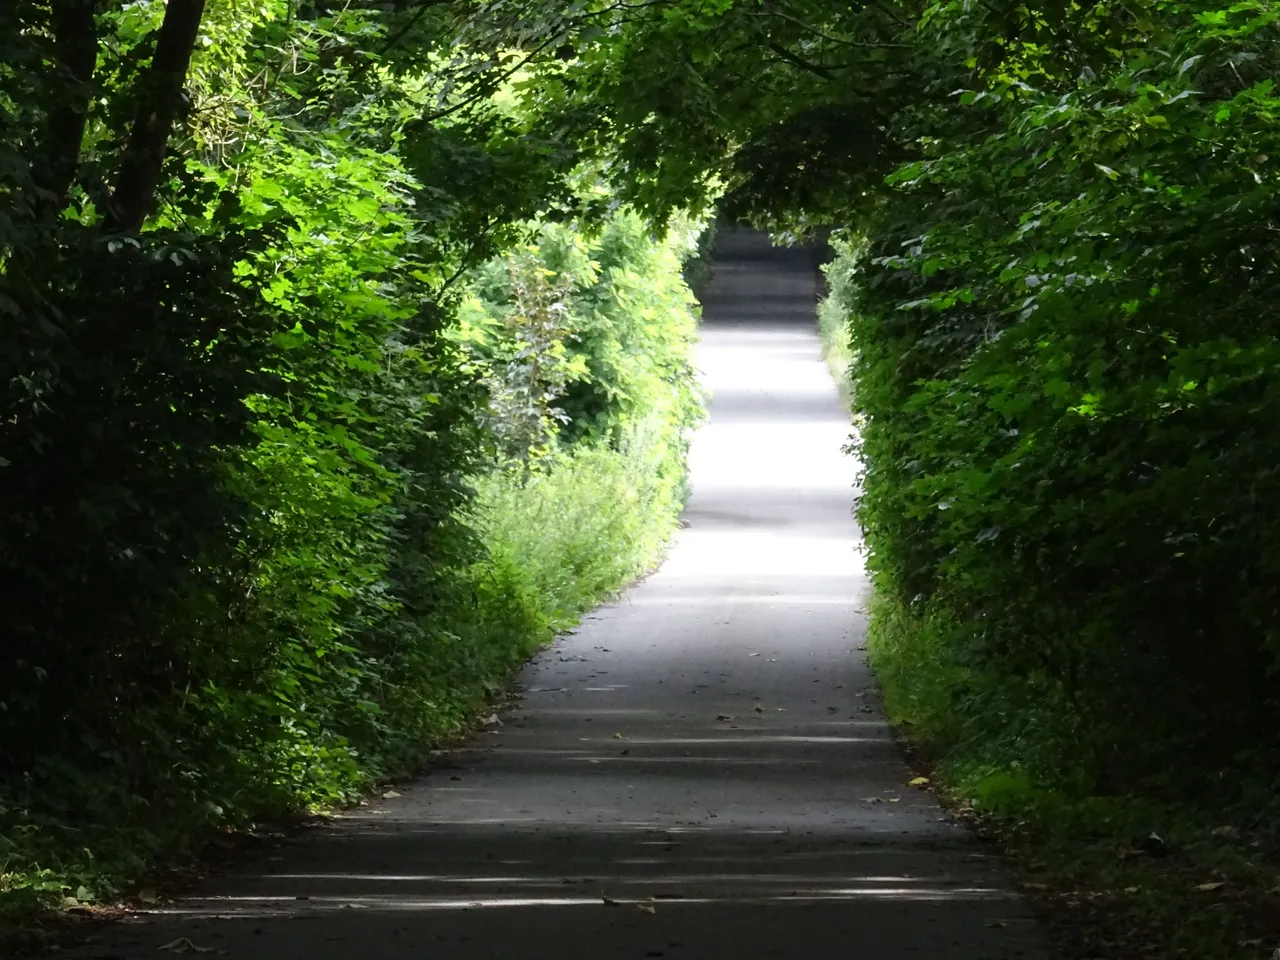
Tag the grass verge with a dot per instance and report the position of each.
(1113, 877)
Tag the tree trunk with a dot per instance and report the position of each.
(161, 98)
(75, 34)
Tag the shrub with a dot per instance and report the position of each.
(1069, 386)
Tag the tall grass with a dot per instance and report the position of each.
(562, 540)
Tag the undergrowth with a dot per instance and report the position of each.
(555, 545)
(1187, 874)
(569, 537)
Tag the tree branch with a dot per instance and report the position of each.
(796, 61)
(161, 98)
(487, 85)
(75, 33)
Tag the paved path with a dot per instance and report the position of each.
(699, 772)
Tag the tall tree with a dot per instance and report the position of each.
(76, 52)
(160, 101)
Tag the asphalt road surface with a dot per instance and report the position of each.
(700, 771)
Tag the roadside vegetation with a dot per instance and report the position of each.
(331, 393)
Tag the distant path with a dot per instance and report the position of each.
(704, 742)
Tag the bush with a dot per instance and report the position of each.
(582, 337)
(1069, 387)
(837, 306)
(585, 342)
(571, 535)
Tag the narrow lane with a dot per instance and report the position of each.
(697, 772)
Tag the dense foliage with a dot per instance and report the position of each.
(1069, 367)
(319, 316)
(269, 296)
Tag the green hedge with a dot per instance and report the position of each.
(1063, 327)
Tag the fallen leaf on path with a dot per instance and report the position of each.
(1132, 889)
(645, 908)
(753, 654)
(918, 781)
(390, 795)
(184, 945)
(1212, 885)
(724, 716)
(491, 720)
(894, 799)
(758, 708)
(148, 895)
(617, 736)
